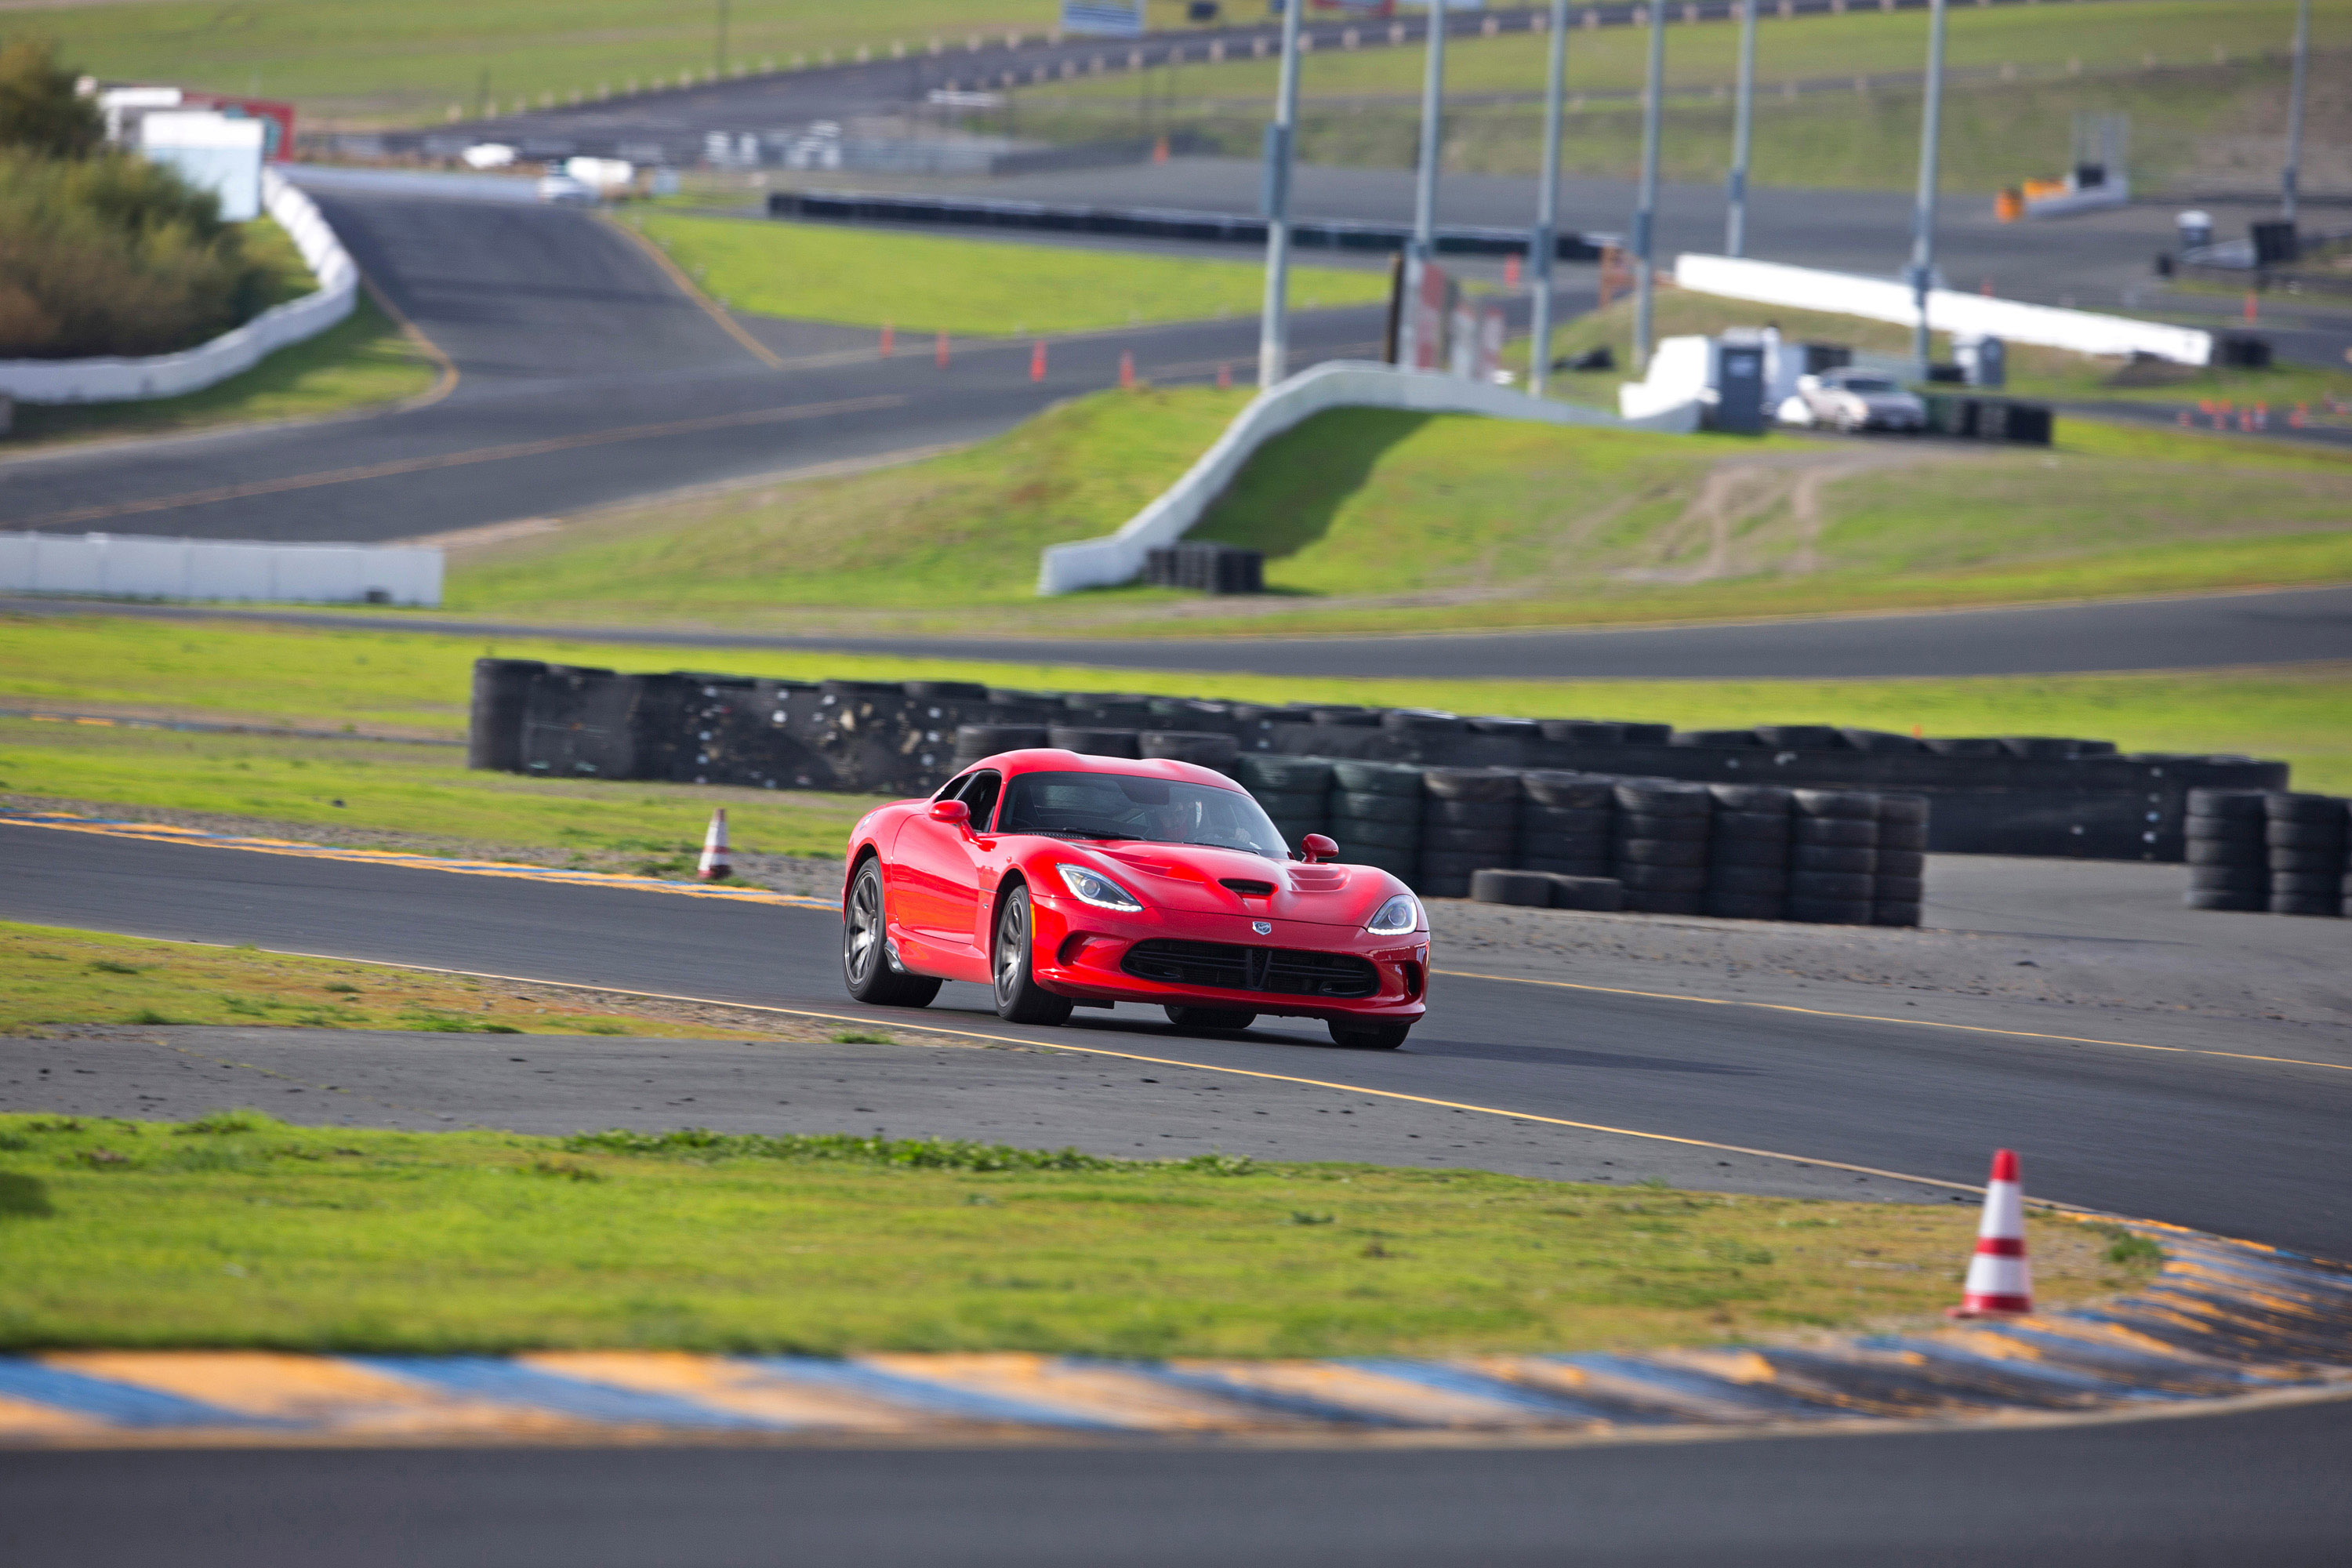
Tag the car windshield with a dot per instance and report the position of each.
(1155, 811)
(1866, 383)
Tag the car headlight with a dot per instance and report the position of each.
(1093, 888)
(1399, 917)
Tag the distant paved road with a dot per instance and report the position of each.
(2203, 632)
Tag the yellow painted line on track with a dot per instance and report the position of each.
(461, 460)
(686, 286)
(1875, 1018)
(164, 833)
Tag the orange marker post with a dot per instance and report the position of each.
(1037, 361)
(889, 339)
(1125, 372)
(939, 354)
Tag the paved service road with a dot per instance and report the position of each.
(2206, 631)
(2247, 1148)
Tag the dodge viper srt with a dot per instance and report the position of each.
(1065, 881)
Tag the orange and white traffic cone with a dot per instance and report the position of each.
(890, 340)
(940, 352)
(715, 865)
(2000, 1282)
(1125, 372)
(1224, 377)
(1037, 361)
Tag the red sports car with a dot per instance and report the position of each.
(1067, 882)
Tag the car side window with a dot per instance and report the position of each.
(980, 794)
(953, 789)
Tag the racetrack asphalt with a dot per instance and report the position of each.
(2243, 1148)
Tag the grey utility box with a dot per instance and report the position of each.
(1984, 360)
(1739, 387)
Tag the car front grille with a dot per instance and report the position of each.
(1276, 971)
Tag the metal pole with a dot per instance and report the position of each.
(1735, 223)
(1433, 98)
(719, 55)
(1645, 212)
(1274, 333)
(2294, 112)
(1547, 241)
(1922, 211)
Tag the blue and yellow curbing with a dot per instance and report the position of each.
(2223, 1324)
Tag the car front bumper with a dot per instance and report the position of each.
(1081, 951)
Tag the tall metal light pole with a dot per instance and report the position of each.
(1547, 242)
(1274, 333)
(1645, 211)
(1734, 222)
(1433, 111)
(1922, 211)
(2294, 112)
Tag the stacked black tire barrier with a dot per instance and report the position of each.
(1747, 852)
(1659, 846)
(2020, 796)
(1469, 820)
(501, 696)
(974, 741)
(2229, 863)
(2303, 842)
(1204, 748)
(1565, 823)
(1375, 814)
(1294, 790)
(1898, 881)
(1095, 742)
(1832, 857)
(1529, 889)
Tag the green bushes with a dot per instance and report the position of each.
(102, 253)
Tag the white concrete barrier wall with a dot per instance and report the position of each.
(112, 380)
(1948, 311)
(134, 566)
(1339, 384)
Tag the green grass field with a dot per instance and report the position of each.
(921, 283)
(1389, 522)
(299, 675)
(363, 361)
(237, 1231)
(2155, 61)
(370, 62)
(50, 975)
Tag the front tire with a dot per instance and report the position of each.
(865, 963)
(1211, 1020)
(1019, 998)
(1369, 1036)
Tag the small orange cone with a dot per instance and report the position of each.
(1125, 372)
(941, 353)
(2000, 1282)
(1037, 361)
(890, 340)
(1224, 378)
(715, 867)
(1511, 270)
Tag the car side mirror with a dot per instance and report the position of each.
(1319, 848)
(953, 812)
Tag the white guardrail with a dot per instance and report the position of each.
(1337, 383)
(115, 380)
(1948, 311)
(133, 566)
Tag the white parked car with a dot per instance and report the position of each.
(1855, 400)
(566, 191)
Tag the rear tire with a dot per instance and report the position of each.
(865, 962)
(1019, 998)
(1213, 1020)
(1369, 1036)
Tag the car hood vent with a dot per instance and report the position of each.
(1246, 888)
